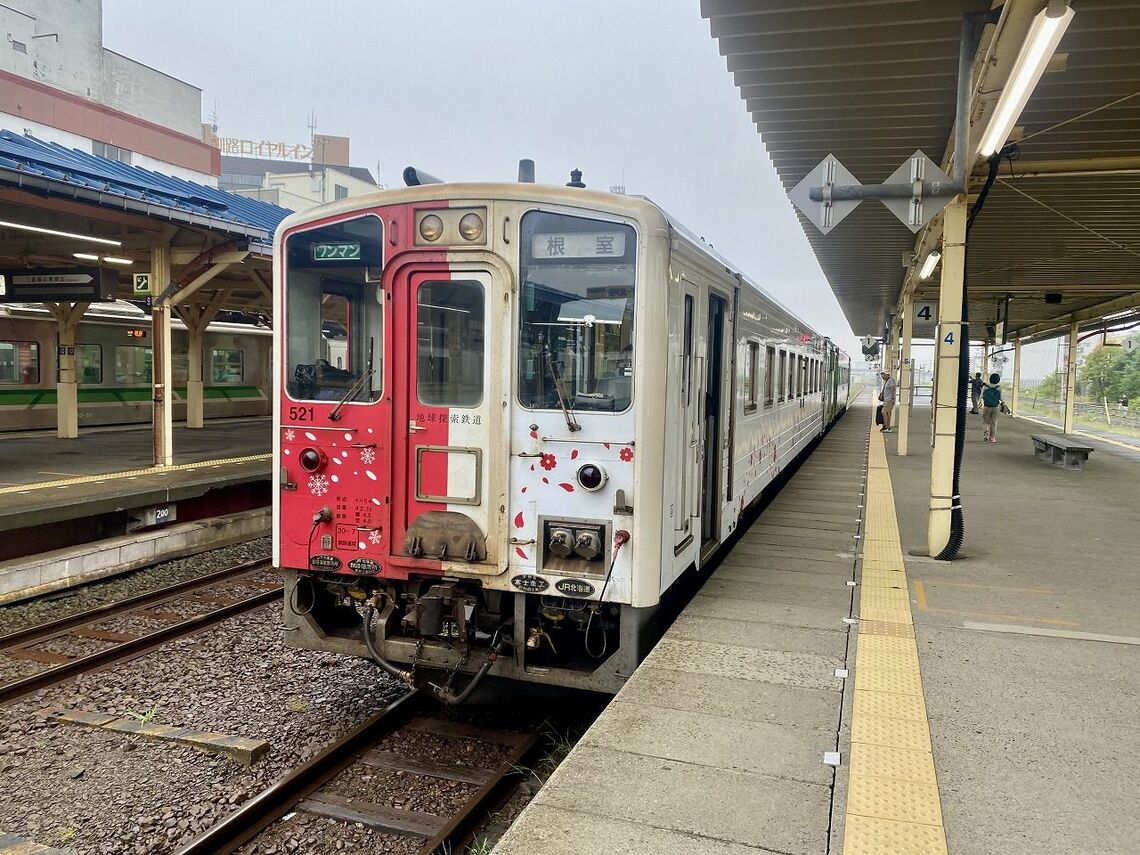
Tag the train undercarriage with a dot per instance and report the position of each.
(446, 634)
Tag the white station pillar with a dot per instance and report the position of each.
(906, 374)
(67, 316)
(948, 352)
(1016, 375)
(1070, 377)
(162, 421)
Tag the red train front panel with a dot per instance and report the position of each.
(388, 399)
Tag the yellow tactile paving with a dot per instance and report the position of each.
(132, 473)
(893, 806)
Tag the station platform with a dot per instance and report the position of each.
(985, 706)
(44, 479)
(717, 743)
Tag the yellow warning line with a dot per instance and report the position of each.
(132, 473)
(893, 807)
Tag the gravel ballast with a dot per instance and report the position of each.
(110, 793)
(18, 616)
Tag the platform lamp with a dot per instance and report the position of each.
(1045, 32)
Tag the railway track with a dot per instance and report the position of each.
(311, 788)
(153, 619)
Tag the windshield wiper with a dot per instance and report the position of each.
(356, 386)
(571, 422)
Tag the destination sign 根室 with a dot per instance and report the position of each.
(578, 245)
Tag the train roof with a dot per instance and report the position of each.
(121, 312)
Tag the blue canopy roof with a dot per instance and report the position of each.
(54, 169)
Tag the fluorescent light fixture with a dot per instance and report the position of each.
(42, 231)
(1045, 32)
(114, 259)
(929, 265)
(86, 256)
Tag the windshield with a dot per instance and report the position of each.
(576, 319)
(334, 312)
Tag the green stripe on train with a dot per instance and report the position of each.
(121, 395)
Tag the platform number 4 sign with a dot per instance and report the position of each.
(925, 313)
(142, 285)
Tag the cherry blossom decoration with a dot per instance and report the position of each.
(548, 462)
(626, 454)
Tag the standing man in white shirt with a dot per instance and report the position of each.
(887, 396)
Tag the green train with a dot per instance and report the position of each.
(114, 363)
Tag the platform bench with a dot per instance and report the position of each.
(1060, 449)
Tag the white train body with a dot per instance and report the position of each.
(566, 403)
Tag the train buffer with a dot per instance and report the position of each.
(1060, 449)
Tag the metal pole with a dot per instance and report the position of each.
(906, 374)
(948, 351)
(1016, 374)
(162, 417)
(1070, 377)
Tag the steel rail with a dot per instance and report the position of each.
(23, 637)
(271, 804)
(462, 825)
(130, 649)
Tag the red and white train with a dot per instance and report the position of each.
(510, 417)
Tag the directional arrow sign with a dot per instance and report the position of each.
(826, 214)
(58, 285)
(931, 191)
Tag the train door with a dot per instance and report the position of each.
(713, 421)
(447, 432)
(689, 406)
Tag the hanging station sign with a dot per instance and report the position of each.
(58, 285)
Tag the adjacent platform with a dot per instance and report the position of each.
(47, 480)
(717, 743)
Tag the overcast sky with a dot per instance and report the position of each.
(632, 90)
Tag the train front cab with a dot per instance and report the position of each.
(456, 434)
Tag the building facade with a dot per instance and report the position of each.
(59, 83)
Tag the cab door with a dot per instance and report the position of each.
(447, 432)
(688, 405)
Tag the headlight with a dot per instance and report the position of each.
(311, 459)
(431, 227)
(471, 227)
(591, 476)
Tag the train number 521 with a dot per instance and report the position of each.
(301, 414)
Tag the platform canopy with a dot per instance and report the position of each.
(872, 81)
(58, 201)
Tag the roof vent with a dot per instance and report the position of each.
(1052, 297)
(526, 171)
(575, 179)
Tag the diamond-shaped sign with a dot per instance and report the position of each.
(826, 214)
(920, 207)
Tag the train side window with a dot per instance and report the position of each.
(449, 362)
(19, 363)
(791, 376)
(227, 366)
(783, 375)
(687, 353)
(133, 366)
(803, 376)
(769, 375)
(89, 363)
(751, 366)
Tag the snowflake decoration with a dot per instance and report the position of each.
(318, 485)
(374, 536)
(548, 462)
(290, 435)
(368, 456)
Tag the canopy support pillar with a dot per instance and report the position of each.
(162, 418)
(1071, 376)
(948, 352)
(1013, 407)
(905, 375)
(67, 316)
